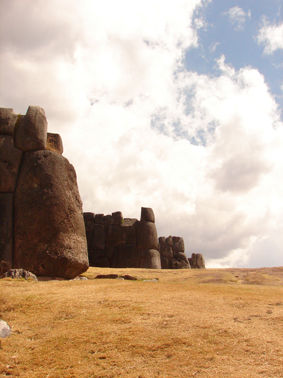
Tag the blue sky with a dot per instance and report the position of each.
(237, 40)
(169, 104)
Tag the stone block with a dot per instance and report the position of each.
(30, 132)
(99, 237)
(151, 259)
(147, 214)
(7, 121)
(6, 231)
(178, 244)
(117, 218)
(50, 237)
(147, 236)
(54, 143)
(99, 218)
(10, 159)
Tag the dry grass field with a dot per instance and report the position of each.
(189, 323)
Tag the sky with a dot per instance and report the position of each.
(174, 105)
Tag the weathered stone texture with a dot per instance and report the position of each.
(10, 158)
(151, 259)
(7, 121)
(197, 261)
(6, 231)
(122, 242)
(30, 132)
(147, 214)
(54, 143)
(49, 229)
(147, 236)
(172, 253)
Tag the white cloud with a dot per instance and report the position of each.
(238, 17)
(271, 37)
(203, 151)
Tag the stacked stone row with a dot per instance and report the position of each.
(41, 223)
(172, 254)
(114, 241)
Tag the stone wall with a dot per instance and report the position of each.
(114, 241)
(117, 242)
(41, 223)
(172, 253)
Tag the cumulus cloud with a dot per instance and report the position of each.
(238, 17)
(203, 151)
(271, 37)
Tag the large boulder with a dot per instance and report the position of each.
(54, 143)
(166, 252)
(49, 236)
(31, 130)
(7, 121)
(147, 236)
(197, 261)
(151, 259)
(172, 253)
(147, 214)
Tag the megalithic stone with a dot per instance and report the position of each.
(50, 237)
(54, 143)
(10, 158)
(6, 231)
(7, 121)
(147, 238)
(30, 132)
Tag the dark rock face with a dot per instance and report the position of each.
(197, 261)
(114, 241)
(7, 121)
(10, 158)
(147, 214)
(151, 259)
(48, 206)
(172, 253)
(41, 224)
(6, 231)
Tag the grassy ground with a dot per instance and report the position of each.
(190, 323)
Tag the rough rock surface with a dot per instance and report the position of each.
(5, 329)
(7, 121)
(54, 143)
(31, 130)
(10, 159)
(20, 273)
(151, 259)
(49, 230)
(114, 241)
(6, 231)
(197, 261)
(41, 223)
(172, 253)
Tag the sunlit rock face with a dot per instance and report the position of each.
(42, 228)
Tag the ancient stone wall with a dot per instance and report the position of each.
(172, 253)
(114, 241)
(41, 223)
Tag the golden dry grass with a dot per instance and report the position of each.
(211, 323)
